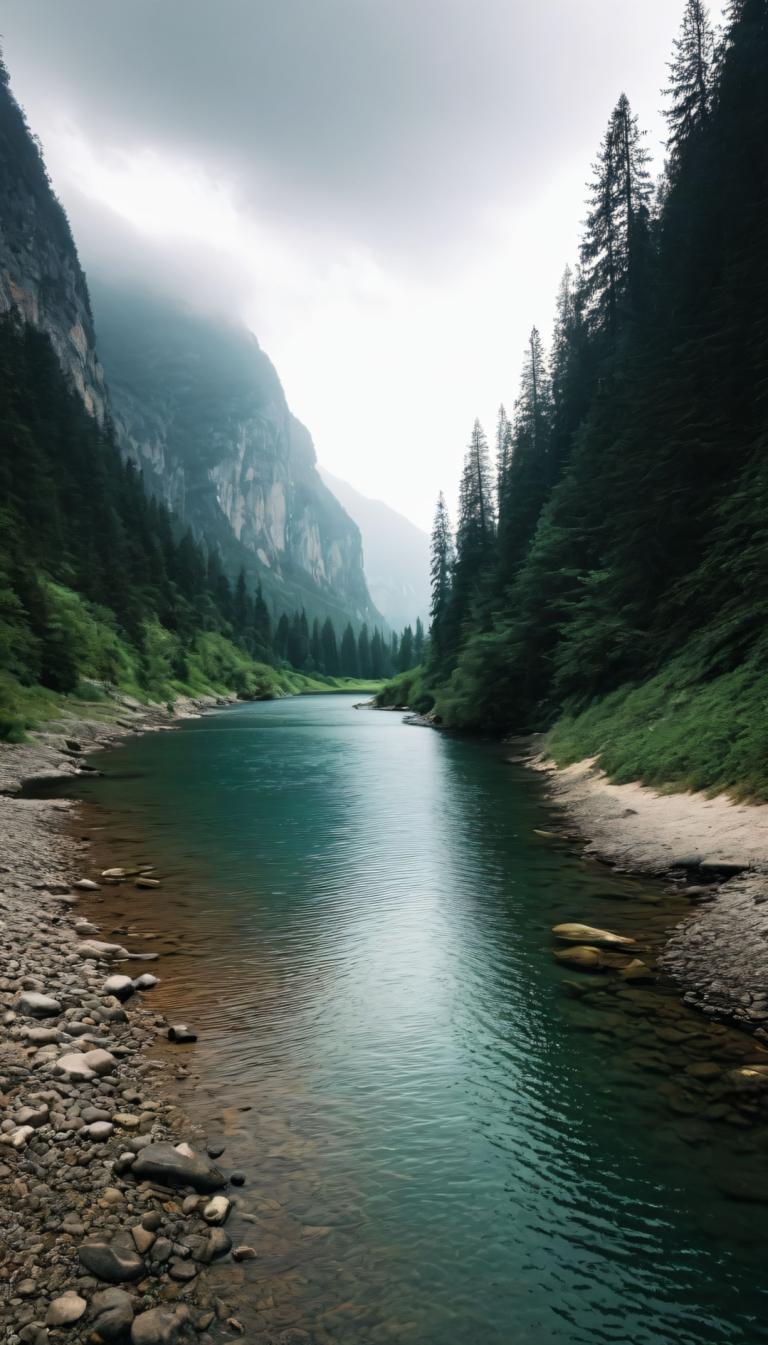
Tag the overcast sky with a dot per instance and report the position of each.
(387, 191)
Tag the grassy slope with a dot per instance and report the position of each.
(678, 731)
(212, 666)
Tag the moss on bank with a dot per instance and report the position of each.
(101, 662)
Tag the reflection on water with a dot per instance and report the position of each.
(442, 1144)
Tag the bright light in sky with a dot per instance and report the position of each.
(387, 194)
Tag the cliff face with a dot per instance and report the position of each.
(200, 408)
(197, 405)
(40, 273)
(396, 555)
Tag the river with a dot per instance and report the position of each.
(443, 1145)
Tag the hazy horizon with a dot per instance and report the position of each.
(387, 197)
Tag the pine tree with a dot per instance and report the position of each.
(330, 652)
(282, 636)
(690, 80)
(418, 642)
(617, 223)
(406, 657)
(441, 570)
(349, 664)
(262, 626)
(378, 667)
(364, 652)
(316, 647)
(530, 473)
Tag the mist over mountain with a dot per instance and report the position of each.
(200, 408)
(395, 554)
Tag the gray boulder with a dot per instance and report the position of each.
(165, 1164)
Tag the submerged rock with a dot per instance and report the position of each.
(585, 959)
(180, 1032)
(601, 938)
(112, 1313)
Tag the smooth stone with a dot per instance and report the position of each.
(237, 1178)
(158, 1326)
(113, 873)
(637, 971)
(66, 1310)
(99, 1131)
(112, 1313)
(165, 1164)
(115, 1261)
(219, 1244)
(585, 959)
(146, 981)
(121, 987)
(244, 1253)
(74, 1068)
(33, 1116)
(84, 929)
(217, 1210)
(147, 882)
(180, 1032)
(586, 934)
(182, 1271)
(101, 1062)
(34, 1005)
(143, 1238)
(86, 885)
(95, 948)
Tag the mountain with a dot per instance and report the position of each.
(40, 273)
(200, 408)
(395, 551)
(196, 403)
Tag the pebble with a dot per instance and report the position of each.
(66, 1310)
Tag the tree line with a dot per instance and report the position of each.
(621, 520)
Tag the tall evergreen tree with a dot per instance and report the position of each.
(690, 80)
(441, 571)
(406, 657)
(330, 652)
(349, 664)
(617, 224)
(418, 641)
(364, 652)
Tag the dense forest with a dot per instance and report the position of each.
(99, 582)
(609, 572)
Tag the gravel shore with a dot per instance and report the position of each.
(713, 850)
(111, 1208)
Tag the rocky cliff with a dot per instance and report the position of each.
(40, 274)
(396, 555)
(200, 408)
(197, 404)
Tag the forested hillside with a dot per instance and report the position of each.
(610, 571)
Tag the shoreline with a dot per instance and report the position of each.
(108, 1216)
(712, 850)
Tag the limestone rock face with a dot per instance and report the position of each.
(40, 274)
(200, 408)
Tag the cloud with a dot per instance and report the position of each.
(386, 190)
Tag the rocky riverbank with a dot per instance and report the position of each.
(111, 1206)
(712, 850)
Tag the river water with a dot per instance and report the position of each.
(446, 1144)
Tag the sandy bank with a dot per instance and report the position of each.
(713, 849)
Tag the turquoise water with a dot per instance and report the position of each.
(444, 1147)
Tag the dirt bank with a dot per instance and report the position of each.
(715, 850)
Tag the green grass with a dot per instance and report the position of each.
(108, 665)
(677, 733)
(408, 688)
